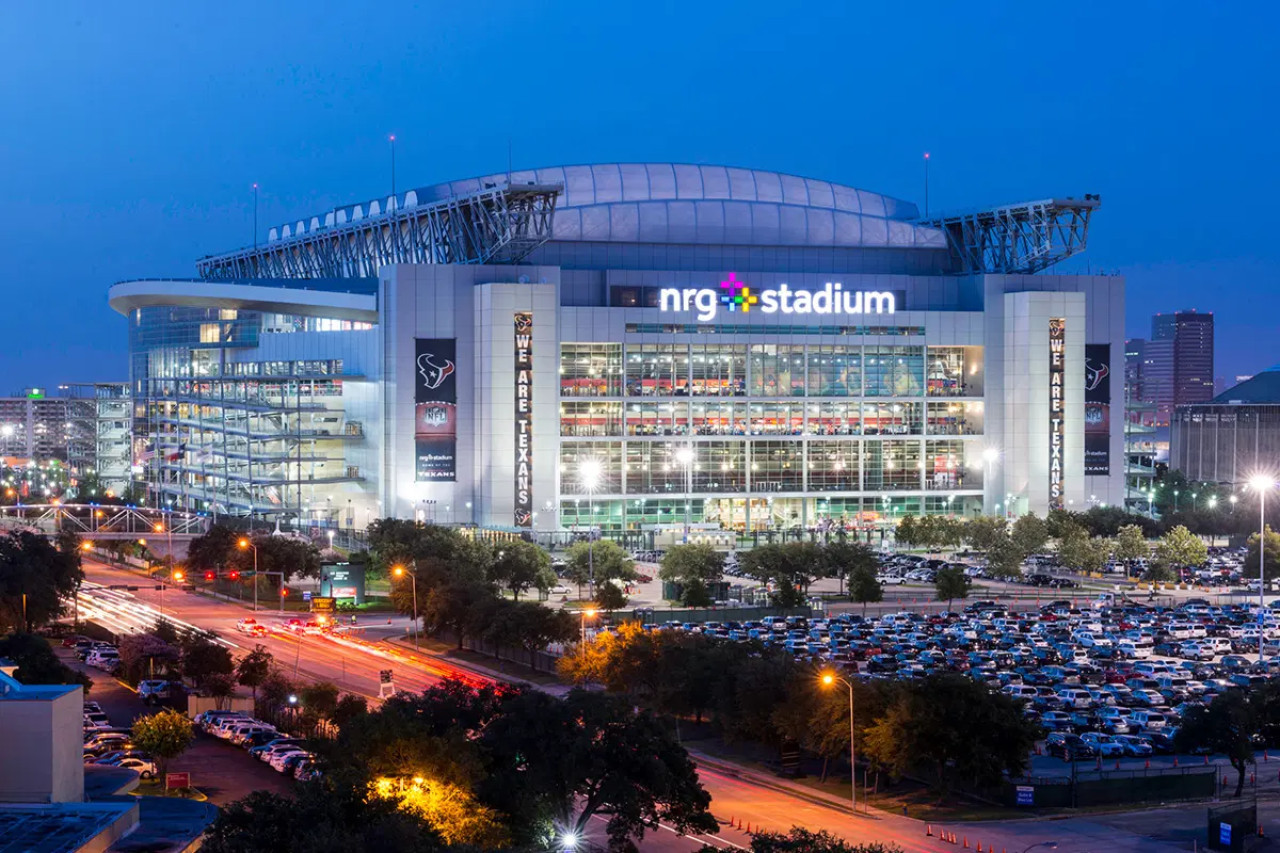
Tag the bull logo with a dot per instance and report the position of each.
(524, 322)
(433, 373)
(523, 518)
(1093, 376)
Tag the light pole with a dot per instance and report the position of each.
(399, 571)
(1262, 484)
(589, 472)
(589, 613)
(246, 544)
(685, 457)
(828, 680)
(989, 458)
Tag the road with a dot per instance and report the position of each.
(354, 661)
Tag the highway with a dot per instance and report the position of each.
(353, 659)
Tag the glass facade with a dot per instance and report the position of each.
(768, 436)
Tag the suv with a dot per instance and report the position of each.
(1061, 743)
(154, 690)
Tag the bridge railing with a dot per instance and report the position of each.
(101, 521)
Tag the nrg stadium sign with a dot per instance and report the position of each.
(736, 296)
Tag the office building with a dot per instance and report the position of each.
(1234, 436)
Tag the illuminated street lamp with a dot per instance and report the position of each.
(399, 571)
(589, 613)
(589, 474)
(685, 457)
(829, 679)
(245, 544)
(1262, 483)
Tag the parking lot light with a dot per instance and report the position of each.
(828, 679)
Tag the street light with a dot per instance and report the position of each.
(399, 571)
(828, 680)
(589, 472)
(589, 613)
(1262, 484)
(246, 544)
(989, 458)
(685, 457)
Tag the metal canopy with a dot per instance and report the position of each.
(495, 225)
(1019, 238)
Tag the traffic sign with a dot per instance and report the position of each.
(1026, 795)
(385, 676)
(323, 605)
(177, 780)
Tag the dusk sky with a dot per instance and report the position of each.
(131, 133)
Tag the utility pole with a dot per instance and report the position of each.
(393, 165)
(926, 183)
(255, 215)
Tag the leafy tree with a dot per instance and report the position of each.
(800, 840)
(1158, 573)
(950, 584)
(841, 559)
(604, 557)
(449, 608)
(610, 597)
(791, 567)
(1180, 547)
(908, 532)
(326, 818)
(984, 531)
(1225, 726)
(253, 669)
(1030, 534)
(202, 658)
(275, 690)
(165, 735)
(1271, 566)
(521, 566)
(166, 631)
(37, 663)
(285, 554)
(693, 567)
(1078, 550)
(142, 655)
(319, 701)
(1131, 543)
(36, 580)
(864, 586)
(955, 727)
(1060, 522)
(1004, 559)
(210, 551)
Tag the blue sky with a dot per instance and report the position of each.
(130, 133)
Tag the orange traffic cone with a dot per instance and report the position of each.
(966, 842)
(1147, 764)
(928, 830)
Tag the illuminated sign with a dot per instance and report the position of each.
(735, 295)
(1097, 409)
(1057, 430)
(524, 419)
(435, 400)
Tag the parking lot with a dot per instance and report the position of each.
(1109, 675)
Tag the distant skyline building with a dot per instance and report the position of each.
(1174, 367)
(1233, 437)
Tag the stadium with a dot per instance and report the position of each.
(647, 349)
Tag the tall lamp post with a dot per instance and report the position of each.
(989, 458)
(589, 613)
(245, 544)
(589, 473)
(685, 457)
(399, 571)
(1262, 484)
(828, 680)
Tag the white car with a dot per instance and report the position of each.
(891, 579)
(279, 760)
(145, 767)
(246, 626)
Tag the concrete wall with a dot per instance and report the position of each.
(42, 756)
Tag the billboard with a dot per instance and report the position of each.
(1057, 427)
(524, 419)
(435, 416)
(1097, 409)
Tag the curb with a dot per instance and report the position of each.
(813, 797)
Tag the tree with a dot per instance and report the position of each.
(1004, 559)
(253, 669)
(1227, 725)
(37, 663)
(36, 580)
(864, 586)
(605, 558)
(1131, 544)
(319, 701)
(202, 658)
(1030, 534)
(210, 551)
(693, 567)
(142, 655)
(1180, 547)
(984, 531)
(291, 557)
(951, 583)
(800, 840)
(907, 533)
(327, 818)
(790, 567)
(521, 566)
(1078, 550)
(1271, 568)
(164, 735)
(956, 728)
(841, 559)
(275, 690)
(610, 597)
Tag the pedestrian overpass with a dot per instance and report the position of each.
(101, 522)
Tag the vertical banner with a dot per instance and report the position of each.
(524, 419)
(1097, 409)
(1057, 429)
(435, 417)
